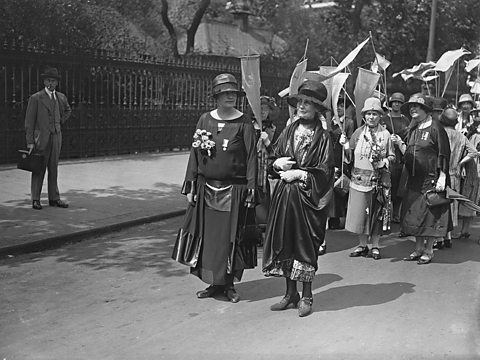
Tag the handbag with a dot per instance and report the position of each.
(187, 248)
(434, 199)
(32, 162)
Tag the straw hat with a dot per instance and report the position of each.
(419, 99)
(372, 104)
(466, 98)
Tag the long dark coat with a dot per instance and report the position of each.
(296, 221)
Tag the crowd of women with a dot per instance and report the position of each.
(396, 167)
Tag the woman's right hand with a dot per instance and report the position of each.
(284, 163)
(191, 198)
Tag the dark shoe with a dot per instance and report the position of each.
(402, 234)
(285, 302)
(36, 205)
(208, 292)
(58, 203)
(305, 306)
(447, 243)
(414, 256)
(376, 253)
(231, 294)
(360, 251)
(425, 259)
(323, 249)
(438, 245)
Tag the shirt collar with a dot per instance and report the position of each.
(50, 93)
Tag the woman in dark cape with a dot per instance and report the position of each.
(298, 210)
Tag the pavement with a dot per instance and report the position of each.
(105, 194)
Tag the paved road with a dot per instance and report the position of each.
(120, 296)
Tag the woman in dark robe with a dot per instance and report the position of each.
(426, 156)
(298, 210)
(220, 183)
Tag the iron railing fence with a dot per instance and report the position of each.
(122, 102)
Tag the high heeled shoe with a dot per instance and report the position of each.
(286, 301)
(305, 306)
(360, 251)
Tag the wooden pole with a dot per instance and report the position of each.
(431, 36)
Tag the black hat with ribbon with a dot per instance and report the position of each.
(51, 72)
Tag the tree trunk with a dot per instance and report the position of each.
(192, 30)
(171, 30)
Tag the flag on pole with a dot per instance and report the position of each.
(380, 63)
(337, 84)
(448, 58)
(295, 80)
(475, 89)
(327, 81)
(472, 64)
(364, 88)
(416, 71)
(348, 59)
(251, 83)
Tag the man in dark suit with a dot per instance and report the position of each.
(47, 110)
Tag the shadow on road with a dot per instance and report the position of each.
(268, 288)
(343, 297)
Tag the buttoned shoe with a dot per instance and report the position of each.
(231, 294)
(360, 251)
(414, 256)
(58, 203)
(286, 301)
(208, 292)
(438, 245)
(447, 243)
(425, 259)
(376, 253)
(305, 306)
(36, 205)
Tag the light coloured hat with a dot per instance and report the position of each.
(372, 104)
(424, 101)
(466, 98)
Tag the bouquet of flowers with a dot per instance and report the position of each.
(202, 139)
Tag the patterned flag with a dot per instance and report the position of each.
(416, 71)
(251, 84)
(364, 88)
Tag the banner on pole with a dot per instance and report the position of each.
(251, 84)
(348, 59)
(380, 63)
(364, 88)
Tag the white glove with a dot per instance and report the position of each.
(284, 163)
(291, 175)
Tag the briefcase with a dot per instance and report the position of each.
(30, 162)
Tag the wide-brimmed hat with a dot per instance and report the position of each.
(311, 90)
(439, 104)
(372, 104)
(449, 117)
(225, 83)
(397, 96)
(50, 72)
(466, 98)
(418, 99)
